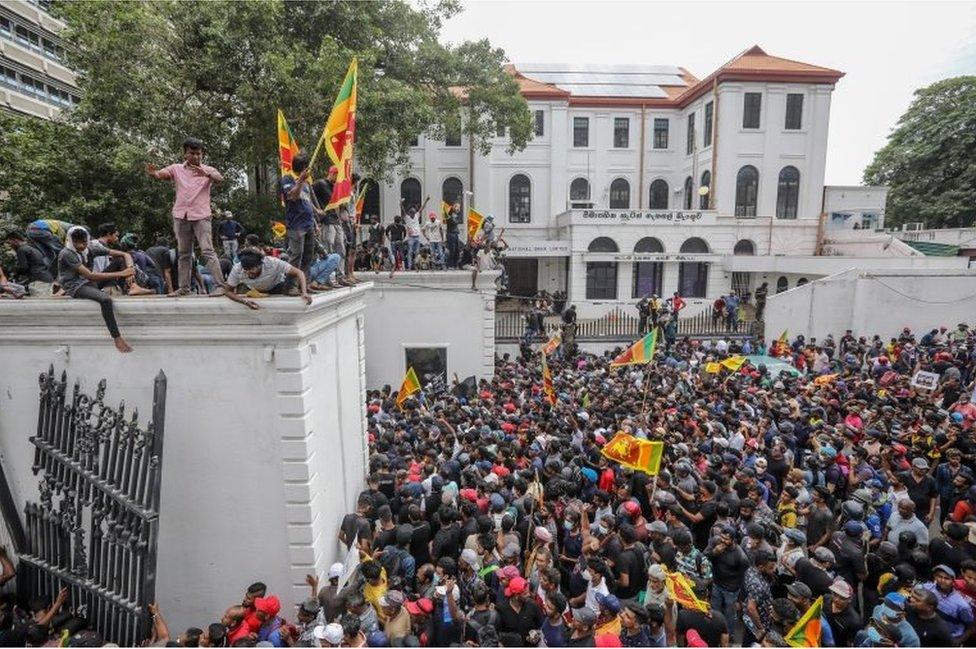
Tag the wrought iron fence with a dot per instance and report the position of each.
(619, 324)
(95, 527)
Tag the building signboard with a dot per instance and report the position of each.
(643, 217)
(538, 249)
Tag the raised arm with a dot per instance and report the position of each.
(157, 173)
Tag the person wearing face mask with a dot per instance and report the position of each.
(595, 575)
(572, 544)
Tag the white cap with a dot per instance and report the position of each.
(336, 570)
(331, 633)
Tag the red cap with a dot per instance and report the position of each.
(269, 605)
(509, 407)
(631, 508)
(469, 494)
(422, 606)
(516, 586)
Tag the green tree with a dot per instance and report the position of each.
(929, 161)
(153, 72)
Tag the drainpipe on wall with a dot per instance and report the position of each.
(471, 164)
(640, 191)
(818, 249)
(711, 187)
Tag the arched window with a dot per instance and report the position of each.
(706, 181)
(746, 191)
(579, 190)
(410, 193)
(519, 199)
(782, 284)
(371, 201)
(452, 191)
(648, 275)
(744, 247)
(787, 193)
(693, 275)
(601, 276)
(659, 195)
(802, 281)
(620, 194)
(689, 192)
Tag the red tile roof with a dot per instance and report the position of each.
(754, 64)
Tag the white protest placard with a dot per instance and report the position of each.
(925, 380)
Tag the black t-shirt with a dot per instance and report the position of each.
(701, 529)
(666, 552)
(385, 538)
(160, 255)
(322, 189)
(529, 618)
(844, 624)
(447, 542)
(728, 567)
(32, 264)
(396, 232)
(376, 233)
(933, 632)
(584, 641)
(419, 542)
(452, 223)
(943, 552)
(850, 558)
(709, 627)
(630, 563)
(353, 525)
(386, 483)
(816, 578)
(919, 492)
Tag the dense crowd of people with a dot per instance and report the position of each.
(491, 517)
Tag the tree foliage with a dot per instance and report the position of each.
(929, 161)
(152, 73)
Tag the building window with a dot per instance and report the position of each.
(8, 77)
(6, 27)
(744, 247)
(410, 193)
(693, 275)
(659, 195)
(661, 127)
(746, 191)
(452, 135)
(499, 130)
(430, 364)
(579, 191)
(620, 194)
(415, 142)
(690, 144)
(706, 183)
(794, 111)
(452, 191)
(621, 132)
(787, 193)
(648, 275)
(689, 192)
(540, 123)
(752, 106)
(803, 281)
(782, 284)
(581, 131)
(709, 111)
(519, 199)
(601, 276)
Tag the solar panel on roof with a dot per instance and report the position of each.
(559, 78)
(599, 68)
(609, 90)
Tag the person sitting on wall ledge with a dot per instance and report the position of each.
(265, 275)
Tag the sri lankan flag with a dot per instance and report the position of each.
(410, 385)
(640, 353)
(360, 202)
(634, 453)
(287, 145)
(475, 221)
(552, 343)
(445, 209)
(339, 136)
(547, 382)
(782, 345)
(682, 591)
(807, 630)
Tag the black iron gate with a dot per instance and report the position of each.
(95, 527)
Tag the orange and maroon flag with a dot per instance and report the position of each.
(682, 591)
(287, 145)
(547, 382)
(340, 135)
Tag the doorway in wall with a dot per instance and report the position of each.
(430, 364)
(523, 276)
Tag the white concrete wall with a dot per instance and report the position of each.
(429, 309)
(874, 302)
(264, 446)
(856, 201)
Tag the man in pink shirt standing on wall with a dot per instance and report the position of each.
(191, 213)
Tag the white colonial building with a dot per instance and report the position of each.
(644, 179)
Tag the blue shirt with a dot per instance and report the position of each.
(954, 608)
(299, 213)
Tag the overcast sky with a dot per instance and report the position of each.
(886, 49)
